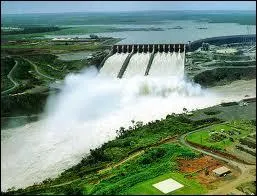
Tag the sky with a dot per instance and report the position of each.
(22, 7)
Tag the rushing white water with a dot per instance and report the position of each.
(168, 64)
(113, 64)
(86, 114)
(137, 65)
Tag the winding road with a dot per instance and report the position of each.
(9, 76)
(36, 69)
(246, 171)
(16, 84)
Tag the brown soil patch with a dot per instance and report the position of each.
(200, 169)
(195, 165)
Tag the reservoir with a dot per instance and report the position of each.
(168, 31)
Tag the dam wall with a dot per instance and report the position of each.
(192, 46)
(148, 48)
(137, 59)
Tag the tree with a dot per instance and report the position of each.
(92, 36)
(185, 110)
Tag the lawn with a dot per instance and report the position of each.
(233, 129)
(202, 138)
(146, 188)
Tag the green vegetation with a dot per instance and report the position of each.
(190, 186)
(229, 104)
(199, 57)
(248, 188)
(230, 57)
(50, 65)
(5, 83)
(8, 65)
(221, 136)
(157, 160)
(24, 104)
(221, 76)
(151, 155)
(233, 62)
(30, 30)
(37, 67)
(81, 30)
(58, 46)
(5, 70)
(23, 74)
(153, 17)
(212, 112)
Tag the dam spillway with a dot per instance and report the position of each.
(167, 64)
(112, 65)
(137, 65)
(125, 61)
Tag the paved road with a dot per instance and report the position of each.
(9, 76)
(36, 69)
(246, 171)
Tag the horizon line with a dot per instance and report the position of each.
(118, 11)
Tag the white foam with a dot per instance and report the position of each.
(113, 64)
(87, 113)
(137, 65)
(168, 64)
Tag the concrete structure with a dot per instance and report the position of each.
(192, 46)
(168, 185)
(133, 48)
(148, 48)
(221, 171)
(169, 48)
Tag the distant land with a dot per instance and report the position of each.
(142, 17)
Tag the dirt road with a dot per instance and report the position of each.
(36, 69)
(9, 76)
(247, 172)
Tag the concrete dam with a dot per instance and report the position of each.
(125, 61)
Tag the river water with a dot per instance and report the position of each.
(191, 31)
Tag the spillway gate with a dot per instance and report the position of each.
(151, 49)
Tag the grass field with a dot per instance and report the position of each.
(227, 134)
(146, 188)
